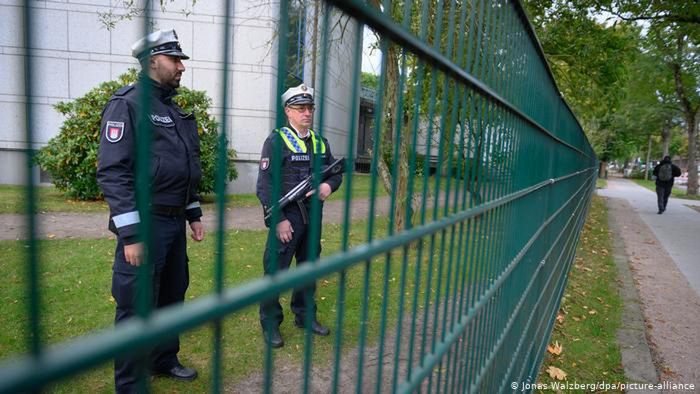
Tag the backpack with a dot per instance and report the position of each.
(665, 172)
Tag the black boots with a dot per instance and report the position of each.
(178, 372)
(273, 337)
(316, 327)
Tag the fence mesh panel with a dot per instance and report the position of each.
(455, 276)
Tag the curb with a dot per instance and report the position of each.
(631, 336)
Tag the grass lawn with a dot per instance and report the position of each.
(590, 310)
(675, 192)
(49, 199)
(75, 293)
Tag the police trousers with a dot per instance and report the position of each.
(170, 278)
(303, 301)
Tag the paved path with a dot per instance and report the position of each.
(656, 257)
(677, 229)
(94, 225)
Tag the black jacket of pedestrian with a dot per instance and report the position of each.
(675, 171)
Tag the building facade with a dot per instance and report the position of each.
(74, 51)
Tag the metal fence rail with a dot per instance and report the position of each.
(473, 259)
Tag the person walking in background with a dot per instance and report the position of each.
(175, 175)
(664, 173)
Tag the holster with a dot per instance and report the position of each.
(304, 212)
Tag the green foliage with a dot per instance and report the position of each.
(591, 63)
(370, 80)
(198, 102)
(638, 173)
(71, 157)
(659, 85)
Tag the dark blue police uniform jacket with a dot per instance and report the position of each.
(296, 163)
(175, 174)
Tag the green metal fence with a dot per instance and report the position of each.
(472, 260)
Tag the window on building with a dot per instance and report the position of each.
(295, 43)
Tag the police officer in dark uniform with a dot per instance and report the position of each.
(298, 144)
(175, 171)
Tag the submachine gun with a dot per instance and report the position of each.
(298, 193)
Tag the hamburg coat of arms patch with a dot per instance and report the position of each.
(114, 131)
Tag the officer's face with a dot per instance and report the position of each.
(300, 116)
(167, 70)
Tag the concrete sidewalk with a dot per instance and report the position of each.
(657, 259)
(677, 229)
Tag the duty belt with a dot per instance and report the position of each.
(166, 210)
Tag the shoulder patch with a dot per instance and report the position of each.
(114, 131)
(264, 163)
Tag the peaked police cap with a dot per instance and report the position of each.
(298, 95)
(160, 42)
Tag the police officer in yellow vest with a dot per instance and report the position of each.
(298, 144)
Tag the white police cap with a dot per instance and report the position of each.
(160, 42)
(301, 94)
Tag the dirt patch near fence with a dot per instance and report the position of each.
(288, 378)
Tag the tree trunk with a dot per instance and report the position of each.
(393, 131)
(691, 115)
(602, 169)
(692, 151)
(646, 168)
(666, 137)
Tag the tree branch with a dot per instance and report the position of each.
(693, 19)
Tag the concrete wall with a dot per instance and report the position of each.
(338, 95)
(74, 52)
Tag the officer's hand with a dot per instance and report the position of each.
(324, 190)
(284, 231)
(197, 230)
(134, 253)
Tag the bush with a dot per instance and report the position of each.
(638, 173)
(71, 157)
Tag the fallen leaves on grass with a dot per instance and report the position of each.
(555, 348)
(560, 318)
(556, 373)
